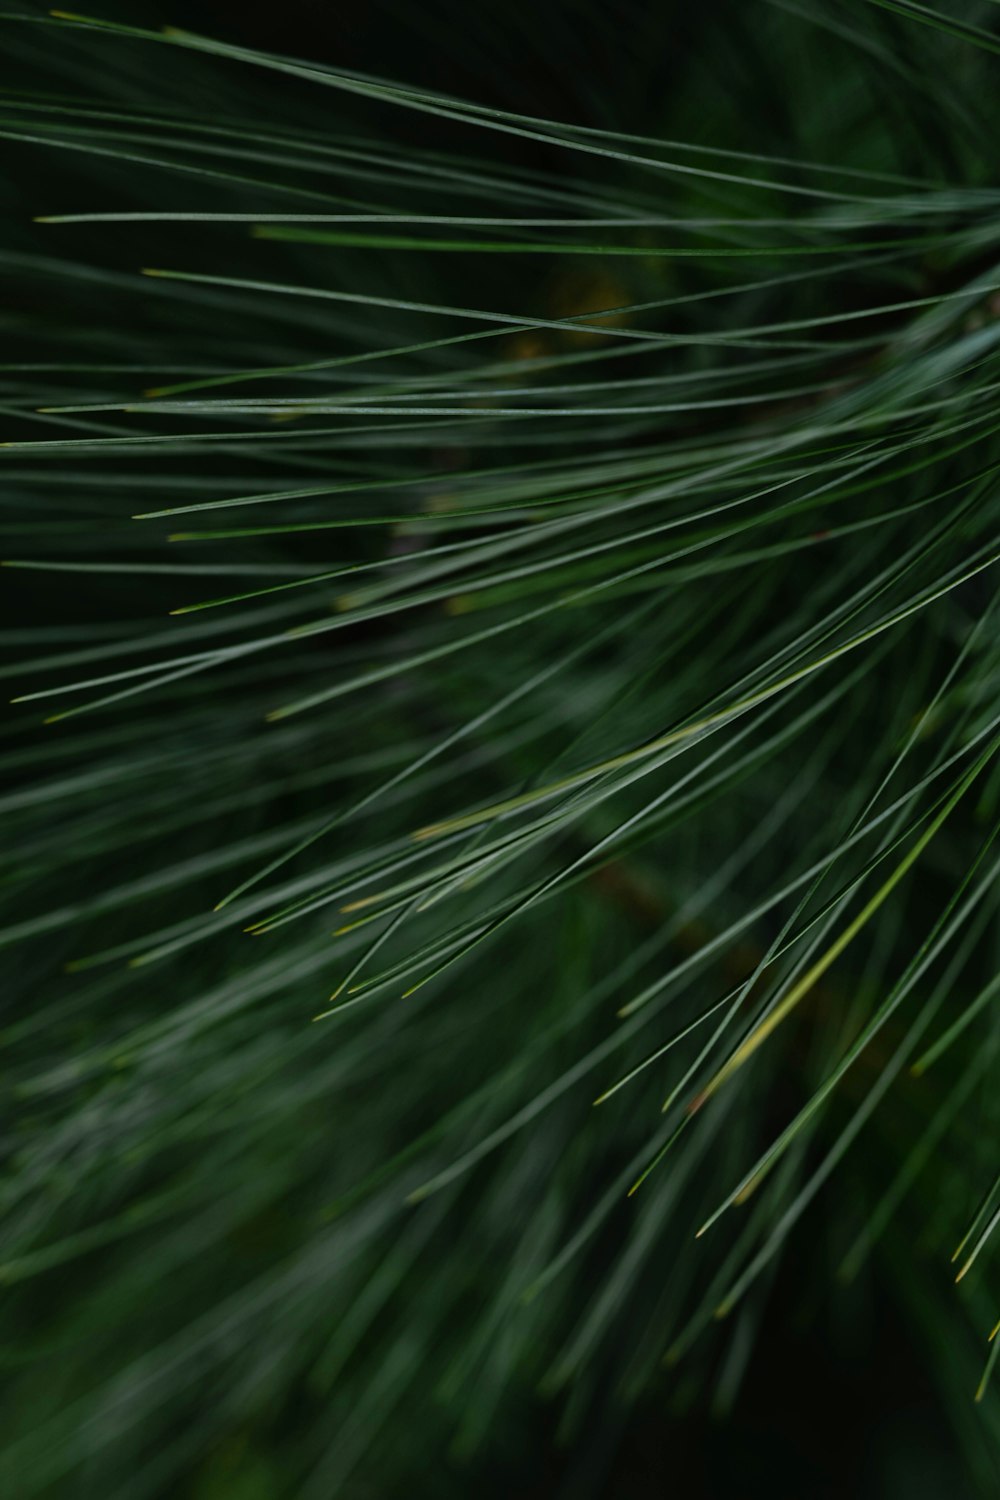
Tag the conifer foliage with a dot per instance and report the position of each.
(501, 514)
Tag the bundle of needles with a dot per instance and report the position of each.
(501, 515)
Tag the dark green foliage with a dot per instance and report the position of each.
(571, 461)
